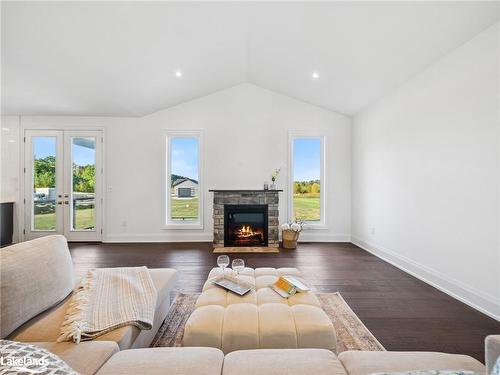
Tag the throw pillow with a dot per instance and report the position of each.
(22, 358)
(496, 368)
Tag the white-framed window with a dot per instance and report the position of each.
(307, 185)
(183, 179)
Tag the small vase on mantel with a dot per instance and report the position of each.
(274, 177)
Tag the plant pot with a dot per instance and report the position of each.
(290, 238)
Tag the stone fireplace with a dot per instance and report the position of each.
(246, 218)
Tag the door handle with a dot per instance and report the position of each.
(66, 202)
(66, 195)
(59, 202)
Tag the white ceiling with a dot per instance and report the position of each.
(119, 59)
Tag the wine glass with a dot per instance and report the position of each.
(238, 266)
(222, 262)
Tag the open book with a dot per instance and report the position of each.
(287, 286)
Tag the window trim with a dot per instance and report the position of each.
(298, 135)
(167, 137)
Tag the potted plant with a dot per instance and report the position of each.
(290, 233)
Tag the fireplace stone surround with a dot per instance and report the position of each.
(250, 198)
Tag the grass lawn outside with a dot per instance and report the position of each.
(84, 219)
(306, 206)
(45, 221)
(184, 208)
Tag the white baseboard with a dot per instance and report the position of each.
(158, 237)
(483, 302)
(208, 237)
(316, 236)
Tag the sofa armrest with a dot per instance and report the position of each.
(492, 351)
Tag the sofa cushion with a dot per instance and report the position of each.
(364, 363)
(47, 326)
(35, 275)
(44, 327)
(85, 358)
(165, 361)
(282, 362)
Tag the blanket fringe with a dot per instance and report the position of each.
(74, 322)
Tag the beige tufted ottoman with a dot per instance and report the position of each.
(260, 319)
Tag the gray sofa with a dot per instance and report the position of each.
(37, 280)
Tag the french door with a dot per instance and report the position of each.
(63, 186)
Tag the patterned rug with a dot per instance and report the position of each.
(351, 332)
(242, 249)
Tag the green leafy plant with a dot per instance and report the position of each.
(274, 175)
(45, 175)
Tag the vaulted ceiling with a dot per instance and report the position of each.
(121, 59)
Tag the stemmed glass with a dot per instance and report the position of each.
(222, 262)
(238, 266)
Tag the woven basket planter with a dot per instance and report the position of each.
(290, 238)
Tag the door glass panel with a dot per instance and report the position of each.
(82, 202)
(44, 183)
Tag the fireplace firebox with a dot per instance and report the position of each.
(245, 225)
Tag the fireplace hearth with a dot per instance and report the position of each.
(245, 225)
(246, 218)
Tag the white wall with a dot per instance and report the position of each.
(9, 173)
(426, 174)
(245, 133)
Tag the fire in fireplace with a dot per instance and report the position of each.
(246, 234)
(245, 225)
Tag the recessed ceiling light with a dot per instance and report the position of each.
(178, 73)
(11, 141)
(6, 129)
(315, 75)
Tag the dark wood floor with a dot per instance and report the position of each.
(400, 310)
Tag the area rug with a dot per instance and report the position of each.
(351, 332)
(231, 250)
